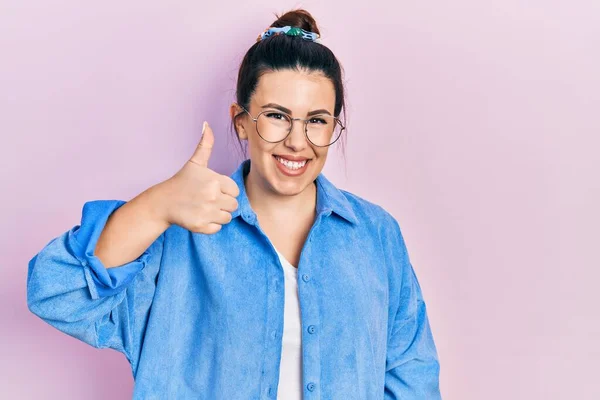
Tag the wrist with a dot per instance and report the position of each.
(156, 205)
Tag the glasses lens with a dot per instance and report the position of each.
(323, 130)
(273, 126)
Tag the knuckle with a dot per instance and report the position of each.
(213, 196)
(210, 195)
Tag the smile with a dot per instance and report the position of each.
(294, 165)
(291, 168)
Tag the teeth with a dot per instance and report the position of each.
(291, 164)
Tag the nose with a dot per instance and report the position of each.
(296, 140)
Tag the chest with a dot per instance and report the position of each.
(222, 297)
(287, 235)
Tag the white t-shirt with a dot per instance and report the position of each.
(290, 371)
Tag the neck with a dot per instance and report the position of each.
(265, 201)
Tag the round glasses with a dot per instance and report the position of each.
(273, 126)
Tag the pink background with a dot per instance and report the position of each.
(475, 123)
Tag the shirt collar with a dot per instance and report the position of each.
(329, 198)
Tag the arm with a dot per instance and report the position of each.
(70, 288)
(412, 366)
(131, 229)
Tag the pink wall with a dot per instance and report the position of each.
(479, 121)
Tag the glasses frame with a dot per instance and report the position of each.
(337, 121)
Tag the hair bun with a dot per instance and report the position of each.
(299, 18)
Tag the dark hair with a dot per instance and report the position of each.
(280, 52)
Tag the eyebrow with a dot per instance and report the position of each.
(288, 111)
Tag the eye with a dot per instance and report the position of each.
(318, 121)
(275, 115)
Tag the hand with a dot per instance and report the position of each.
(197, 198)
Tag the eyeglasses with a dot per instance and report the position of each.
(322, 130)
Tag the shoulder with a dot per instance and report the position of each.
(383, 229)
(369, 212)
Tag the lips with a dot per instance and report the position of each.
(280, 159)
(290, 171)
(291, 158)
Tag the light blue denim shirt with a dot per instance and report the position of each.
(201, 316)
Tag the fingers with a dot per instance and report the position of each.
(217, 220)
(212, 228)
(220, 212)
(202, 155)
(228, 203)
(204, 148)
(228, 186)
(221, 217)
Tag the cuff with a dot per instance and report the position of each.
(101, 281)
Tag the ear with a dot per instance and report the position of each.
(238, 123)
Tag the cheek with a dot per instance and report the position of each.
(322, 154)
(259, 147)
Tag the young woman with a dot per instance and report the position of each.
(269, 283)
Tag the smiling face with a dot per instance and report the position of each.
(299, 94)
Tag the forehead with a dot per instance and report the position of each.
(296, 90)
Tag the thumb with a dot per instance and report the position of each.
(204, 148)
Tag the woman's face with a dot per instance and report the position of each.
(301, 93)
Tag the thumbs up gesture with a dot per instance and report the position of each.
(196, 197)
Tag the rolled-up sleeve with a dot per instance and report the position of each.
(69, 287)
(83, 238)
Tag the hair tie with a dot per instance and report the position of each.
(290, 31)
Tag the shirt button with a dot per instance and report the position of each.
(311, 329)
(274, 334)
(305, 278)
(311, 386)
